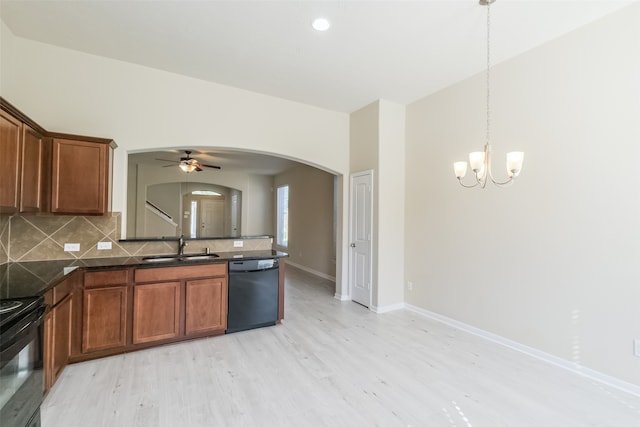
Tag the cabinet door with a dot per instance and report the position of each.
(47, 348)
(31, 170)
(61, 341)
(156, 311)
(80, 173)
(10, 152)
(104, 318)
(206, 305)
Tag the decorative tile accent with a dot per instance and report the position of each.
(106, 224)
(116, 251)
(48, 224)
(42, 237)
(47, 250)
(23, 237)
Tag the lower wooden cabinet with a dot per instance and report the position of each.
(58, 329)
(205, 305)
(102, 312)
(104, 318)
(61, 316)
(156, 312)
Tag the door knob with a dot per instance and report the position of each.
(353, 245)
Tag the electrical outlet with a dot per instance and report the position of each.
(410, 285)
(72, 247)
(636, 347)
(238, 243)
(104, 245)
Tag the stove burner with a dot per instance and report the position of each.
(6, 306)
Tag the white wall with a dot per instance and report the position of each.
(143, 108)
(365, 134)
(377, 143)
(391, 202)
(553, 261)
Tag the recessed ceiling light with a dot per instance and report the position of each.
(321, 24)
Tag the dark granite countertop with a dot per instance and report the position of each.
(22, 279)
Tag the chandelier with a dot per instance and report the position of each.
(480, 161)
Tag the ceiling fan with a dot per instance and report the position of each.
(189, 164)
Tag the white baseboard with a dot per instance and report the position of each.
(387, 308)
(549, 358)
(312, 271)
(341, 297)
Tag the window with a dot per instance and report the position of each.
(282, 214)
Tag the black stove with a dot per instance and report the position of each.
(21, 360)
(14, 309)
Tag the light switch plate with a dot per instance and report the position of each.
(636, 347)
(72, 247)
(238, 243)
(104, 245)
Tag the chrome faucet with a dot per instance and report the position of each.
(181, 245)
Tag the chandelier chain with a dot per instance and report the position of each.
(488, 72)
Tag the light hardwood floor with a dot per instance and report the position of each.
(333, 363)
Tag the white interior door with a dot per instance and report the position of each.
(361, 229)
(211, 218)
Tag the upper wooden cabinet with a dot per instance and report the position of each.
(10, 160)
(34, 165)
(81, 175)
(42, 171)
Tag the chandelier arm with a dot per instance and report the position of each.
(466, 185)
(502, 183)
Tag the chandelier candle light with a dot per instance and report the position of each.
(480, 161)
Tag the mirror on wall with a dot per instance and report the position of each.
(226, 193)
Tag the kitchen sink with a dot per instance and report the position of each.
(197, 257)
(181, 258)
(160, 258)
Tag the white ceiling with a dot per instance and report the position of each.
(395, 50)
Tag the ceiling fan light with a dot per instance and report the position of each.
(187, 167)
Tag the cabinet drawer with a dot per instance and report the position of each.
(159, 274)
(61, 290)
(94, 279)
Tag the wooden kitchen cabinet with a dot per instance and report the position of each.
(104, 319)
(156, 312)
(58, 329)
(42, 171)
(105, 310)
(10, 160)
(81, 175)
(34, 165)
(205, 305)
(172, 303)
(61, 317)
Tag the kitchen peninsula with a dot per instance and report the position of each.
(105, 306)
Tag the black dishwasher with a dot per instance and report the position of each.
(253, 294)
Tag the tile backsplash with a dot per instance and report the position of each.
(42, 237)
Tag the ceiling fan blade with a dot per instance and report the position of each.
(165, 160)
(209, 166)
(168, 166)
(198, 168)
